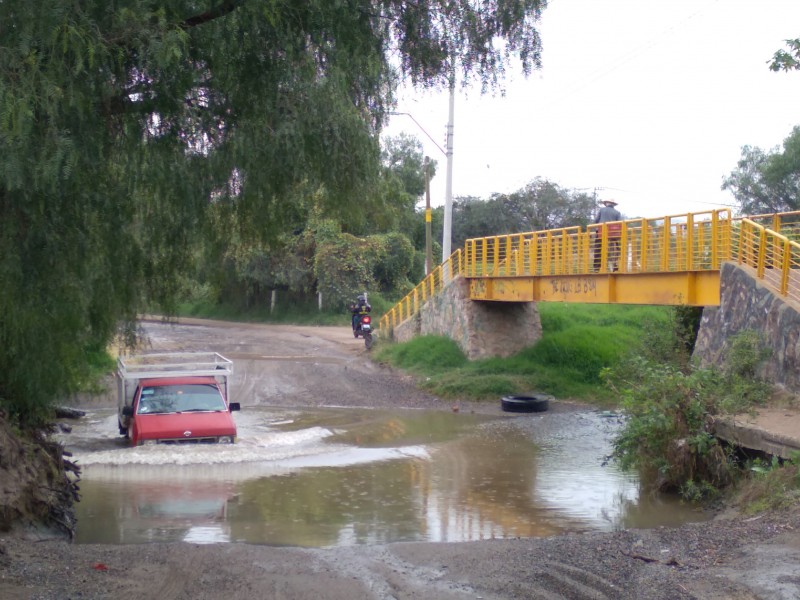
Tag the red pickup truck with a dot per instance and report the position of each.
(175, 398)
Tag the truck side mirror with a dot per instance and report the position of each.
(234, 406)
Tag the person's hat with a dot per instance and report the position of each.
(609, 202)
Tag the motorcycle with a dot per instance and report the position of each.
(364, 329)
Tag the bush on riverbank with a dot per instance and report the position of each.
(668, 403)
(771, 485)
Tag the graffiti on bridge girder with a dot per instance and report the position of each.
(574, 286)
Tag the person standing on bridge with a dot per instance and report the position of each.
(607, 214)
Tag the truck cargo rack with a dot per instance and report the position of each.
(174, 364)
(132, 369)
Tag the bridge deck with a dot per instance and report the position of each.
(670, 260)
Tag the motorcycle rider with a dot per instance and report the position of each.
(358, 308)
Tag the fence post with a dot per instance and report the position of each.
(787, 262)
(644, 243)
(666, 240)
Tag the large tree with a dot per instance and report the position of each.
(123, 121)
(767, 182)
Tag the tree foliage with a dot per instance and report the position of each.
(122, 123)
(539, 205)
(404, 159)
(787, 60)
(246, 271)
(767, 182)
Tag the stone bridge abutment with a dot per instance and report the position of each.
(748, 305)
(481, 329)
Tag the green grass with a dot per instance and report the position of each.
(424, 355)
(578, 342)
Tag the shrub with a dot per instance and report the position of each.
(666, 435)
(771, 485)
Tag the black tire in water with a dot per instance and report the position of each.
(529, 403)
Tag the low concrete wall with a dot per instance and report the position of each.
(481, 329)
(745, 304)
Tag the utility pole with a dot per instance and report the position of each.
(447, 234)
(428, 243)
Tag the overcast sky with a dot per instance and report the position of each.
(650, 101)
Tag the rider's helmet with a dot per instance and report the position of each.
(361, 298)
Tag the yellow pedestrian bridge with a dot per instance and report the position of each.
(668, 260)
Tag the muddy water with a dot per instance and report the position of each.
(332, 477)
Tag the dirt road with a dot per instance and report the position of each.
(736, 558)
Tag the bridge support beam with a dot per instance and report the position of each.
(694, 288)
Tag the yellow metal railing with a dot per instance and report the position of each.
(675, 243)
(435, 282)
(787, 224)
(693, 242)
(774, 256)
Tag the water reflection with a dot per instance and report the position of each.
(343, 477)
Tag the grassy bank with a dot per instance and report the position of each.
(578, 342)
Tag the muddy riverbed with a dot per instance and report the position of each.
(732, 557)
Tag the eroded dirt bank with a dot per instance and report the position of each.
(732, 558)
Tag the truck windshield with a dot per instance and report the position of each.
(180, 398)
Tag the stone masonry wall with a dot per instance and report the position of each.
(745, 304)
(481, 329)
(406, 330)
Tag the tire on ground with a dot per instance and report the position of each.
(528, 403)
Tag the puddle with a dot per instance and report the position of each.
(335, 477)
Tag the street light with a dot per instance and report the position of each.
(448, 195)
(422, 129)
